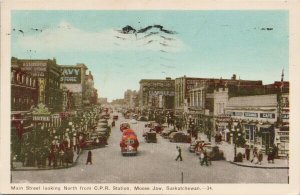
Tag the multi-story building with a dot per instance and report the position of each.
(157, 93)
(47, 75)
(73, 80)
(91, 94)
(184, 84)
(131, 98)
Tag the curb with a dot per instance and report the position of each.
(258, 167)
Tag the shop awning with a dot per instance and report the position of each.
(265, 126)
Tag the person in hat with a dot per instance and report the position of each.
(89, 158)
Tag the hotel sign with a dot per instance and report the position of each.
(41, 118)
(70, 75)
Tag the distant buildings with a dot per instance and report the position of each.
(157, 93)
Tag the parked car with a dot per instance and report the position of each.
(103, 121)
(103, 131)
(115, 117)
(214, 153)
(142, 118)
(150, 136)
(166, 133)
(194, 144)
(179, 137)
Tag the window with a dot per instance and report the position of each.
(18, 77)
(250, 132)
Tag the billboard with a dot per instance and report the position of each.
(36, 68)
(70, 75)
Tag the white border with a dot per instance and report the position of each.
(294, 50)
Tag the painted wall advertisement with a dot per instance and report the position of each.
(70, 75)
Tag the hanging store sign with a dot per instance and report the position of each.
(235, 113)
(267, 115)
(285, 116)
(70, 75)
(250, 114)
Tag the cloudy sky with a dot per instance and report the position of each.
(214, 44)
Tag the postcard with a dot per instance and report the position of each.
(149, 97)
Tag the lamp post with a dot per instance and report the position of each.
(235, 134)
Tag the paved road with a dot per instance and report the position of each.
(155, 163)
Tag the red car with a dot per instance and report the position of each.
(129, 145)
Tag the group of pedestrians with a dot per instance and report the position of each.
(204, 158)
(257, 155)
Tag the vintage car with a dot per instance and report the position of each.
(150, 136)
(166, 133)
(95, 140)
(103, 131)
(179, 137)
(201, 146)
(129, 145)
(142, 118)
(158, 128)
(127, 132)
(194, 144)
(115, 117)
(213, 152)
(124, 125)
(103, 121)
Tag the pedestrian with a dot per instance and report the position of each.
(61, 158)
(204, 158)
(179, 153)
(89, 158)
(255, 154)
(247, 152)
(260, 157)
(271, 155)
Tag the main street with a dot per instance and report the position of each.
(155, 163)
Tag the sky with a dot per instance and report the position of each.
(212, 44)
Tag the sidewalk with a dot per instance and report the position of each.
(228, 150)
(17, 166)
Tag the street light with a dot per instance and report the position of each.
(235, 134)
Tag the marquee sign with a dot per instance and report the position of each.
(70, 75)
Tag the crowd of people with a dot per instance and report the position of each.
(56, 147)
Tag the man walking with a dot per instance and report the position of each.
(89, 158)
(179, 153)
(204, 158)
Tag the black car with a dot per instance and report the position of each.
(167, 132)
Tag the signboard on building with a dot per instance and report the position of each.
(267, 115)
(41, 118)
(70, 75)
(157, 93)
(250, 114)
(235, 113)
(36, 68)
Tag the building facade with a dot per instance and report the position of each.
(73, 81)
(47, 75)
(157, 93)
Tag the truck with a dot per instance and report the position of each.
(129, 143)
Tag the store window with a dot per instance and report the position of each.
(250, 132)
